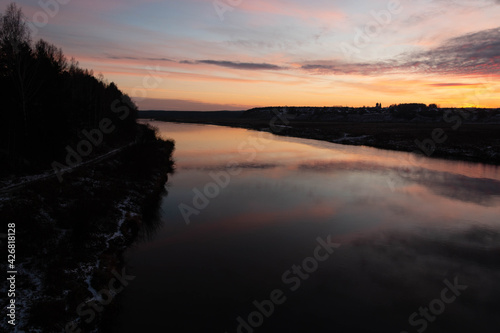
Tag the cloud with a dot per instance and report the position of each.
(451, 84)
(345, 68)
(236, 65)
(116, 57)
(223, 167)
(474, 53)
(471, 54)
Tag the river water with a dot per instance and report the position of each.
(263, 233)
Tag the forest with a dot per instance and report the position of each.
(50, 106)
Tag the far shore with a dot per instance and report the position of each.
(454, 139)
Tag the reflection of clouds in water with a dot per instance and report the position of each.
(477, 190)
(467, 189)
(283, 185)
(332, 166)
(478, 245)
(396, 272)
(397, 246)
(224, 167)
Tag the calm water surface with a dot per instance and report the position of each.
(407, 229)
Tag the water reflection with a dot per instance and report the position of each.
(453, 185)
(404, 227)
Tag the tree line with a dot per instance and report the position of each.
(48, 100)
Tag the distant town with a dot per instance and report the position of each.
(395, 112)
(469, 134)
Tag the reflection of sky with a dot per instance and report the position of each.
(398, 243)
(350, 189)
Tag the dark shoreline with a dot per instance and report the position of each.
(471, 141)
(72, 235)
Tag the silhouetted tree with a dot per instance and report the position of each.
(16, 65)
(49, 102)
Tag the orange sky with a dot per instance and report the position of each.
(193, 55)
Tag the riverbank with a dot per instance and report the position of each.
(449, 137)
(403, 230)
(70, 235)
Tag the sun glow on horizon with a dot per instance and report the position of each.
(269, 53)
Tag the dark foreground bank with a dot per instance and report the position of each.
(70, 235)
(459, 134)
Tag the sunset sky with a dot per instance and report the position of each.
(238, 54)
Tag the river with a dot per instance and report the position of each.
(263, 233)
